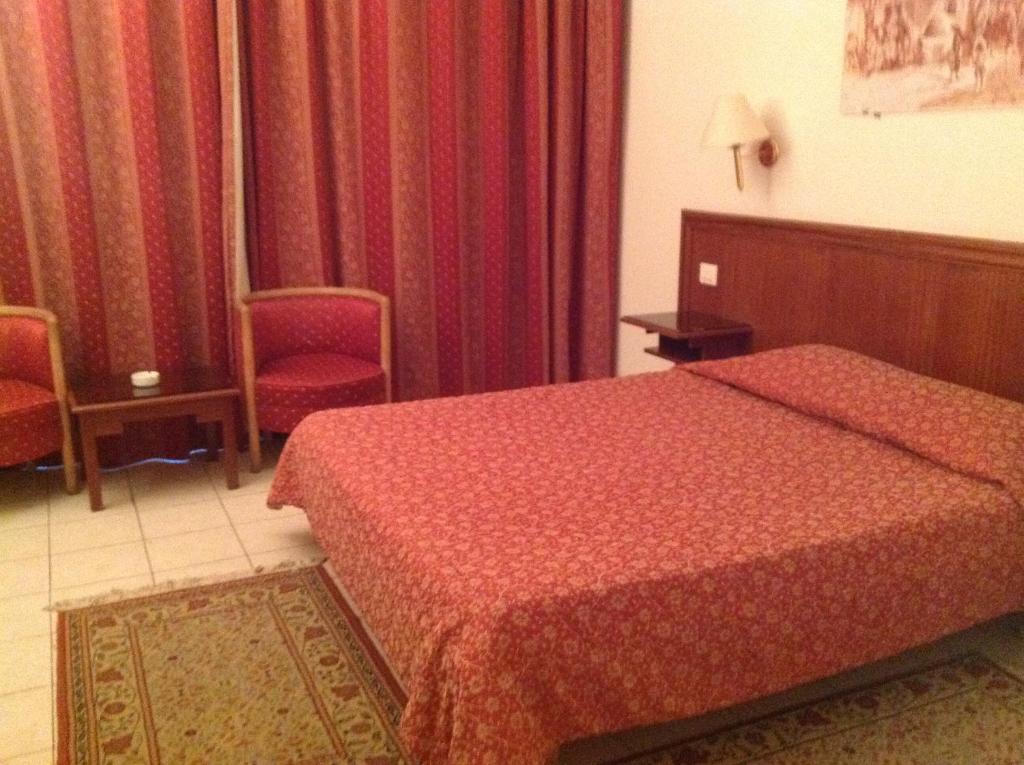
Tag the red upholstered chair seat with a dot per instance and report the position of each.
(289, 388)
(313, 348)
(30, 425)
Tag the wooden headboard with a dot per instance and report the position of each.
(947, 307)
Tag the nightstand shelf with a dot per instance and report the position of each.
(693, 336)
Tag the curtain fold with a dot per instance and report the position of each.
(110, 153)
(460, 156)
(111, 179)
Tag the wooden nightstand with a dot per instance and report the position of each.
(104, 405)
(694, 336)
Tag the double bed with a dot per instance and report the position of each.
(547, 564)
(553, 563)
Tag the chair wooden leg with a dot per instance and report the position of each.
(70, 467)
(255, 454)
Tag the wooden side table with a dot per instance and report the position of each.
(103, 406)
(693, 336)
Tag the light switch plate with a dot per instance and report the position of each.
(708, 274)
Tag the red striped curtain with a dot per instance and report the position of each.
(110, 178)
(460, 156)
(113, 147)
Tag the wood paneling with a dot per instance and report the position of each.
(948, 307)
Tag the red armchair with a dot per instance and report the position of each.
(34, 417)
(307, 349)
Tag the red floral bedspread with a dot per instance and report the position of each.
(547, 564)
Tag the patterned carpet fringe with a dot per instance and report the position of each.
(116, 595)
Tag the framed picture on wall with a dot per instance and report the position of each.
(916, 55)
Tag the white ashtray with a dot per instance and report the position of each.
(145, 379)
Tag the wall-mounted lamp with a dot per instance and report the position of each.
(734, 124)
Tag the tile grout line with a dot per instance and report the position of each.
(234, 525)
(204, 465)
(50, 592)
(185, 569)
(25, 558)
(49, 552)
(5, 694)
(51, 620)
(4, 641)
(142, 534)
(99, 547)
(145, 537)
(52, 752)
(231, 522)
(100, 581)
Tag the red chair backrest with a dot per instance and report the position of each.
(25, 350)
(291, 325)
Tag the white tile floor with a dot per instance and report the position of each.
(162, 522)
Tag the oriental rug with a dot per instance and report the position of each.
(966, 711)
(260, 670)
(277, 668)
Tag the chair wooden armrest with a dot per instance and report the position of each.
(59, 385)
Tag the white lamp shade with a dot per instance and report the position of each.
(734, 123)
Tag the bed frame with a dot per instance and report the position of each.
(947, 307)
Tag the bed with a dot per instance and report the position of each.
(548, 564)
(544, 565)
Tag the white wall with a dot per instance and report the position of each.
(949, 172)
